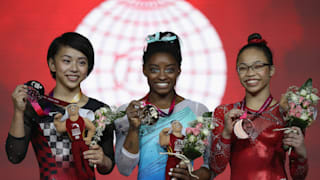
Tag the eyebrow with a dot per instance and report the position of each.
(68, 56)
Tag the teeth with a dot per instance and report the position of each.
(72, 78)
(162, 84)
(252, 81)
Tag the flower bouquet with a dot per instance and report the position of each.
(302, 105)
(197, 136)
(302, 109)
(104, 116)
(196, 140)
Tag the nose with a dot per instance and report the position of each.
(162, 75)
(74, 66)
(250, 71)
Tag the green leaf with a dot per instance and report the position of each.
(308, 83)
(207, 114)
(191, 153)
(294, 121)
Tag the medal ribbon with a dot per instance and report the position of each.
(265, 105)
(34, 101)
(162, 114)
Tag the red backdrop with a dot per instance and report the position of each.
(291, 28)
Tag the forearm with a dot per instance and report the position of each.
(298, 166)
(125, 160)
(131, 143)
(220, 155)
(17, 125)
(16, 148)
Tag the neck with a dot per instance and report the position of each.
(61, 92)
(161, 101)
(255, 100)
(74, 117)
(177, 134)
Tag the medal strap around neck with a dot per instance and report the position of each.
(75, 99)
(162, 114)
(264, 106)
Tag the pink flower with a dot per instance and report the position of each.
(292, 104)
(301, 99)
(98, 113)
(298, 109)
(292, 112)
(196, 131)
(298, 114)
(188, 130)
(306, 104)
(199, 125)
(205, 142)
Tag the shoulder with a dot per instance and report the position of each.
(94, 104)
(123, 107)
(197, 107)
(223, 108)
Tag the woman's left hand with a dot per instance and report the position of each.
(295, 139)
(94, 155)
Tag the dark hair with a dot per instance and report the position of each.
(163, 42)
(73, 40)
(255, 41)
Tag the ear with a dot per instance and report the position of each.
(52, 65)
(179, 71)
(272, 71)
(144, 69)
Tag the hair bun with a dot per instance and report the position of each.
(256, 38)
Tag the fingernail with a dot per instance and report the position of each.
(177, 165)
(171, 169)
(170, 173)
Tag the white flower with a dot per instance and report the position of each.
(314, 97)
(303, 92)
(294, 98)
(205, 132)
(192, 138)
(103, 109)
(308, 97)
(304, 116)
(200, 119)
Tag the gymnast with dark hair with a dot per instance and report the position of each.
(245, 137)
(70, 60)
(137, 143)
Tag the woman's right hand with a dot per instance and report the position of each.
(229, 120)
(134, 111)
(19, 98)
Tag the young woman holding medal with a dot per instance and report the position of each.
(137, 143)
(70, 59)
(245, 135)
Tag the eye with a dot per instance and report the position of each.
(154, 70)
(83, 62)
(242, 68)
(66, 60)
(258, 66)
(170, 70)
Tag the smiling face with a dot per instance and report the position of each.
(70, 67)
(257, 77)
(162, 71)
(176, 126)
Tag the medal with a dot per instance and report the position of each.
(244, 127)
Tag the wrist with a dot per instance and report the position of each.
(226, 134)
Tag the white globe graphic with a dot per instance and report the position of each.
(117, 30)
